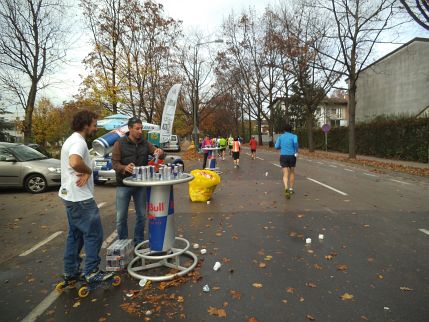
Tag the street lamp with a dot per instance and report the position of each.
(195, 102)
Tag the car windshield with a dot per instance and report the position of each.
(25, 153)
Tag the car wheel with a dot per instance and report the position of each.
(36, 183)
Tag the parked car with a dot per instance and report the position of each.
(173, 145)
(40, 148)
(22, 166)
(103, 171)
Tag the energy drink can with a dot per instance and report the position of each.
(144, 173)
(161, 173)
(135, 173)
(151, 172)
(180, 169)
(175, 171)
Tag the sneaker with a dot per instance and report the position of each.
(235, 166)
(238, 165)
(292, 191)
(287, 193)
(98, 276)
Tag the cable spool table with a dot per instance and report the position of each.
(211, 158)
(161, 251)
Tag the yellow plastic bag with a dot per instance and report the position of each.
(202, 187)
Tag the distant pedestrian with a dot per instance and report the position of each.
(287, 143)
(253, 144)
(236, 146)
(230, 141)
(222, 145)
(206, 143)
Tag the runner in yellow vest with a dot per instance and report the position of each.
(236, 152)
(230, 141)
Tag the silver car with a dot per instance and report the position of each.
(22, 166)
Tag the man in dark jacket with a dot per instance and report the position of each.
(128, 152)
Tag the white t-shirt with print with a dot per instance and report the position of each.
(75, 144)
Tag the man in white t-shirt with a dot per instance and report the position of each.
(77, 193)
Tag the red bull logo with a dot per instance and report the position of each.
(159, 207)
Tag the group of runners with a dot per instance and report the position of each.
(287, 143)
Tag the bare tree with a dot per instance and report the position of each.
(418, 10)
(302, 37)
(104, 18)
(359, 25)
(32, 43)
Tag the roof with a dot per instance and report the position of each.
(396, 50)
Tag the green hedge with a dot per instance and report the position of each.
(401, 139)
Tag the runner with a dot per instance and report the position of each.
(287, 143)
(230, 141)
(222, 144)
(253, 144)
(236, 152)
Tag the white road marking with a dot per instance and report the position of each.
(259, 158)
(333, 166)
(101, 204)
(110, 239)
(247, 153)
(331, 211)
(349, 170)
(43, 242)
(425, 231)
(320, 162)
(329, 187)
(369, 174)
(42, 307)
(51, 298)
(403, 182)
(277, 165)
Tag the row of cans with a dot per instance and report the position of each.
(165, 172)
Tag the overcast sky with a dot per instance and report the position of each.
(204, 15)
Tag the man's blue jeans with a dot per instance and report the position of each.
(123, 197)
(85, 230)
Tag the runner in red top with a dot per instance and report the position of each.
(253, 145)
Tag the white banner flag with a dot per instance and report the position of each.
(168, 113)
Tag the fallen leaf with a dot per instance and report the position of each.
(225, 304)
(102, 319)
(380, 277)
(346, 296)
(226, 260)
(180, 299)
(317, 266)
(268, 258)
(329, 257)
(290, 290)
(76, 304)
(310, 317)
(284, 301)
(370, 259)
(405, 289)
(235, 294)
(216, 312)
(363, 317)
(257, 285)
(301, 299)
(234, 237)
(342, 267)
(262, 265)
(292, 234)
(215, 288)
(218, 234)
(311, 285)
(252, 319)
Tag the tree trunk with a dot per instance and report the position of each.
(352, 122)
(259, 120)
(28, 121)
(310, 132)
(250, 124)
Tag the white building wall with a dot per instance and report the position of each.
(397, 85)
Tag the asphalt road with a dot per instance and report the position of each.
(375, 251)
